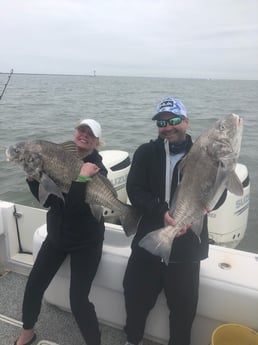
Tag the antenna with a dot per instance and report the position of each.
(9, 77)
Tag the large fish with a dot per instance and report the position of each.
(207, 170)
(55, 166)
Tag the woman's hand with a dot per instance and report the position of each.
(89, 169)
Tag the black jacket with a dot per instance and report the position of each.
(146, 191)
(71, 225)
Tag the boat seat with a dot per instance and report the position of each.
(115, 257)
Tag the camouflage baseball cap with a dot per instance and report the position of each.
(170, 105)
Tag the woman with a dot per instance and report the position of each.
(73, 230)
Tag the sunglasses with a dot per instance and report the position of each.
(173, 121)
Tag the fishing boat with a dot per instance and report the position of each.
(228, 279)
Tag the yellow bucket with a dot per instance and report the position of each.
(234, 334)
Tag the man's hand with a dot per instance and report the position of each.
(168, 220)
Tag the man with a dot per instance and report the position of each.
(151, 185)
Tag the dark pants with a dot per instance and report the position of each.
(84, 264)
(144, 279)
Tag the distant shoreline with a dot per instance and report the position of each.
(123, 76)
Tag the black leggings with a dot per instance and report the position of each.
(144, 279)
(84, 264)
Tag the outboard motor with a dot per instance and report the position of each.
(118, 165)
(227, 225)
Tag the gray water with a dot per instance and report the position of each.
(48, 107)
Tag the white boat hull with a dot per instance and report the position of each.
(228, 289)
(228, 281)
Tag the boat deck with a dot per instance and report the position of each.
(54, 327)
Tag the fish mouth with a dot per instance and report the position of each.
(8, 155)
(240, 120)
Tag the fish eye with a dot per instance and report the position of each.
(17, 149)
(222, 126)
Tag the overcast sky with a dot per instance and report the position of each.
(160, 38)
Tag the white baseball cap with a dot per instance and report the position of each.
(94, 126)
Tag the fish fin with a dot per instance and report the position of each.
(46, 187)
(217, 188)
(107, 183)
(97, 211)
(220, 177)
(159, 242)
(197, 227)
(130, 220)
(173, 201)
(71, 147)
(234, 185)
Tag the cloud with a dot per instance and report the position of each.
(146, 37)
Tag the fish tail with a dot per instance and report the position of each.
(130, 220)
(154, 243)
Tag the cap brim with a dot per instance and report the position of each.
(157, 116)
(82, 125)
(85, 125)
